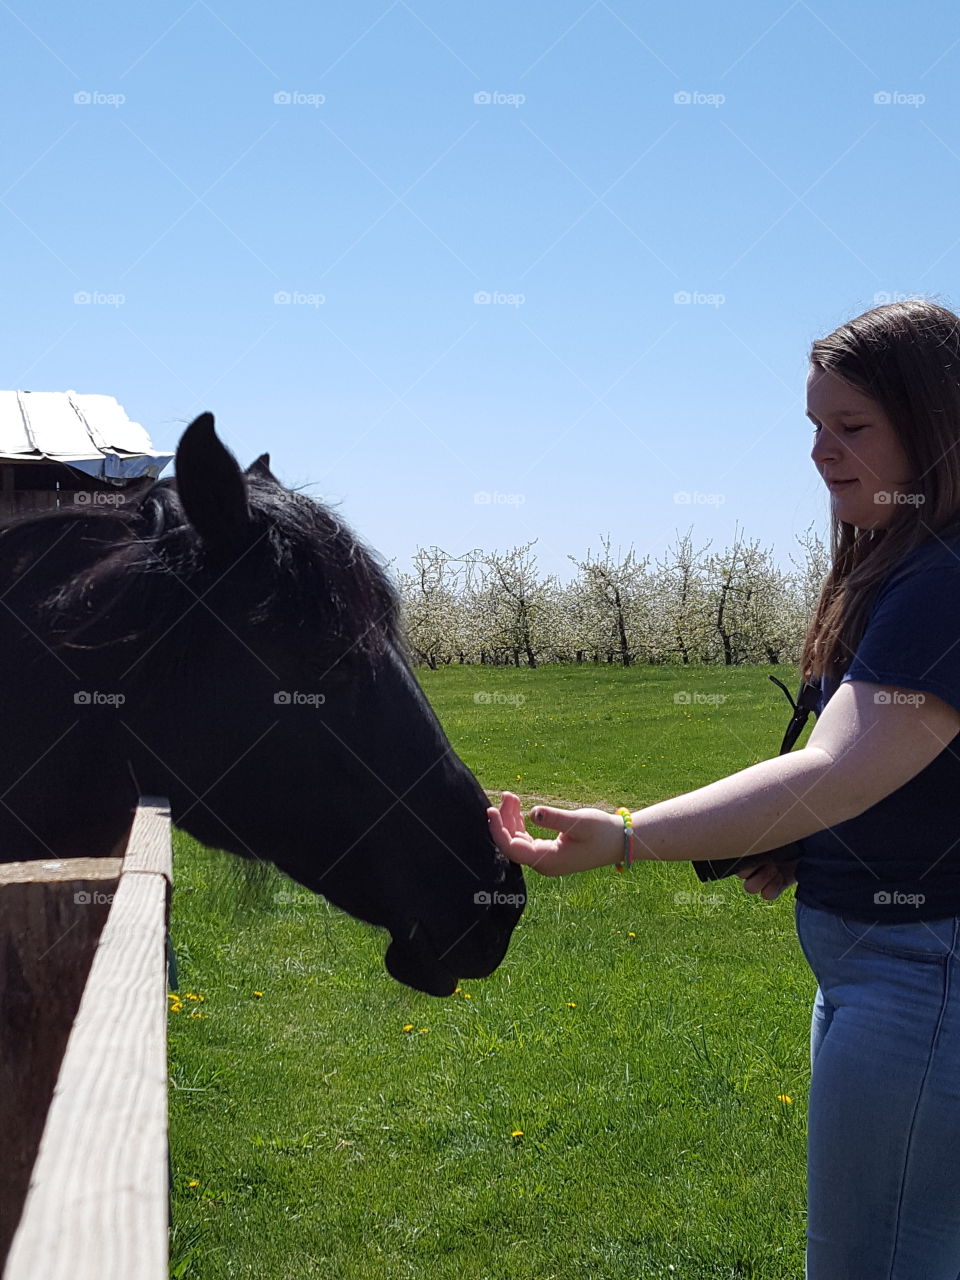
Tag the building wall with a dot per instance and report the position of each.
(26, 487)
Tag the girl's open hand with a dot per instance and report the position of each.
(588, 837)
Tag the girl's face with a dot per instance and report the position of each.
(854, 442)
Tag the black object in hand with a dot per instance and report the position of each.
(730, 866)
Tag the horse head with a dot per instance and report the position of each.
(231, 644)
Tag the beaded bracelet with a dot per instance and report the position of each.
(627, 860)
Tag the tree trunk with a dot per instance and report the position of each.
(724, 634)
(622, 629)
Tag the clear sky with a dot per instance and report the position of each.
(380, 164)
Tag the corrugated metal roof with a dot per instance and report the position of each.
(91, 433)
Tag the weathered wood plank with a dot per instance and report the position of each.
(50, 872)
(149, 848)
(97, 1206)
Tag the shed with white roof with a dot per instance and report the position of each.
(59, 448)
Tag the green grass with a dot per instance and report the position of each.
(644, 1071)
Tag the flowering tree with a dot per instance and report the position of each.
(518, 604)
(433, 605)
(615, 596)
(683, 625)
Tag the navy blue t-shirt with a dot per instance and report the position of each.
(900, 859)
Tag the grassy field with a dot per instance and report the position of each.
(624, 1099)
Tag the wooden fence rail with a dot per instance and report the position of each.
(86, 937)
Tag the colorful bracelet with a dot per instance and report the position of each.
(627, 860)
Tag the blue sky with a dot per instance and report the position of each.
(190, 165)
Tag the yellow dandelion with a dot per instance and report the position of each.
(408, 1027)
(193, 1183)
(195, 1013)
(190, 995)
(631, 935)
(467, 995)
(455, 990)
(258, 994)
(571, 1004)
(783, 1097)
(424, 1028)
(517, 1133)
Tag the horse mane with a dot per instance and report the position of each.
(301, 568)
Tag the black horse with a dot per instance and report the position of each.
(228, 643)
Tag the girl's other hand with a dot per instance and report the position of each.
(769, 879)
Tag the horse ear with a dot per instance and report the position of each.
(211, 486)
(261, 467)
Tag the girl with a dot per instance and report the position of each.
(871, 799)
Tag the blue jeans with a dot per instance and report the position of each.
(883, 1144)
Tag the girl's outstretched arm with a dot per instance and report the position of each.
(862, 748)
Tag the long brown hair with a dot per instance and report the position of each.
(906, 356)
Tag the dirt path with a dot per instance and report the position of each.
(528, 800)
